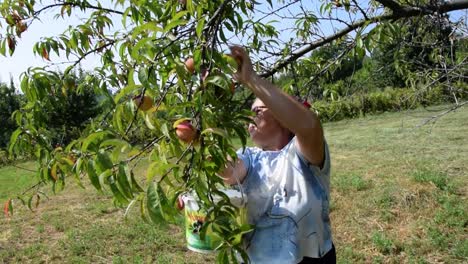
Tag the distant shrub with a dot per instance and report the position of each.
(388, 100)
(3, 158)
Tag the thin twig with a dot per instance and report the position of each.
(404, 12)
(435, 117)
(145, 148)
(176, 163)
(135, 114)
(32, 187)
(36, 13)
(22, 168)
(110, 43)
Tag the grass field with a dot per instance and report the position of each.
(399, 195)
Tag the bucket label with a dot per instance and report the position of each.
(194, 223)
(195, 218)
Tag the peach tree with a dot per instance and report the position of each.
(164, 69)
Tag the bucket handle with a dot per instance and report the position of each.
(241, 189)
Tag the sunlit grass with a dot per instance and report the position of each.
(392, 184)
(14, 178)
(399, 195)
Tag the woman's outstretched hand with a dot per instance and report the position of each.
(245, 73)
(285, 109)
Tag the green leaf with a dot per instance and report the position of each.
(13, 139)
(93, 177)
(103, 162)
(176, 21)
(158, 168)
(359, 42)
(222, 257)
(139, 45)
(135, 186)
(148, 122)
(149, 26)
(77, 166)
(118, 196)
(143, 211)
(218, 81)
(131, 76)
(228, 26)
(104, 176)
(241, 133)
(165, 130)
(143, 76)
(159, 206)
(153, 204)
(30, 202)
(215, 130)
(94, 138)
(124, 182)
(118, 143)
(221, 35)
(199, 29)
(125, 91)
(130, 205)
(3, 48)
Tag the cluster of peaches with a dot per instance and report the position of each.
(185, 131)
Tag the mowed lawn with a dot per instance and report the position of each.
(399, 195)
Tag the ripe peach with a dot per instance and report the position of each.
(190, 65)
(186, 132)
(232, 87)
(180, 203)
(145, 105)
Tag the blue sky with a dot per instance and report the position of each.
(23, 58)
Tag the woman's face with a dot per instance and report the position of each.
(264, 127)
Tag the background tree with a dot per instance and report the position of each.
(70, 110)
(10, 102)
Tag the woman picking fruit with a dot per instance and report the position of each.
(286, 178)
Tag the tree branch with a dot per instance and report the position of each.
(394, 6)
(21, 168)
(306, 49)
(217, 13)
(403, 12)
(36, 13)
(360, 9)
(110, 43)
(452, 6)
(435, 117)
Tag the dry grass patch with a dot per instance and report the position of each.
(399, 191)
(399, 195)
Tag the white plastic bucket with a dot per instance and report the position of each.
(195, 218)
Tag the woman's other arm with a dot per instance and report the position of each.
(234, 172)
